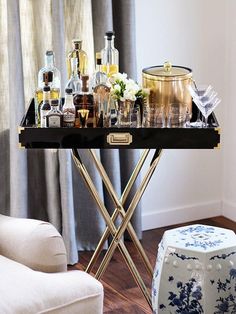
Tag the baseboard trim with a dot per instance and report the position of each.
(229, 210)
(180, 215)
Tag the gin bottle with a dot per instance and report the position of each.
(80, 55)
(54, 116)
(68, 110)
(55, 83)
(99, 76)
(110, 55)
(44, 107)
(74, 82)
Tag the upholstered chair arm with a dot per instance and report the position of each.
(34, 243)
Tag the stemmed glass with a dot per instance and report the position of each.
(206, 100)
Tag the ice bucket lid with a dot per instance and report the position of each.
(167, 72)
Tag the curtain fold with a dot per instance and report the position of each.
(45, 184)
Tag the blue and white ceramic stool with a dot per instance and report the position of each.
(195, 271)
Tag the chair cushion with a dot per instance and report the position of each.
(25, 291)
(34, 243)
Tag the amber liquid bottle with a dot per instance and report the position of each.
(84, 101)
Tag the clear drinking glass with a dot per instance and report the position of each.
(205, 99)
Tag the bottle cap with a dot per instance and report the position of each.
(49, 53)
(109, 34)
(85, 79)
(46, 89)
(54, 102)
(68, 90)
(76, 40)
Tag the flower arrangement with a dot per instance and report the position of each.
(124, 88)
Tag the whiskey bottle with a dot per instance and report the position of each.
(80, 55)
(74, 82)
(68, 110)
(84, 101)
(55, 83)
(54, 116)
(110, 55)
(44, 107)
(99, 76)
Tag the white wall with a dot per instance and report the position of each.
(229, 164)
(188, 183)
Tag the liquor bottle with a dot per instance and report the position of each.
(84, 104)
(55, 83)
(54, 116)
(44, 107)
(99, 76)
(80, 55)
(68, 110)
(110, 55)
(74, 82)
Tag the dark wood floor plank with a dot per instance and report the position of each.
(121, 292)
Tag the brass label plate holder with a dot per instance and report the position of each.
(117, 138)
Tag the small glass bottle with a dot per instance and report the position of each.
(74, 82)
(84, 101)
(55, 83)
(54, 116)
(99, 76)
(44, 107)
(68, 110)
(80, 55)
(110, 55)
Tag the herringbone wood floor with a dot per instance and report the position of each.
(121, 293)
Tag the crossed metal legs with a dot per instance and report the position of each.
(126, 216)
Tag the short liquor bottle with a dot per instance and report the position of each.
(110, 55)
(74, 82)
(44, 107)
(84, 106)
(54, 116)
(55, 83)
(68, 110)
(99, 76)
(80, 55)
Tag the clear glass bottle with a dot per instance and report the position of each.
(110, 55)
(74, 82)
(54, 116)
(99, 76)
(44, 107)
(80, 55)
(84, 103)
(55, 83)
(68, 110)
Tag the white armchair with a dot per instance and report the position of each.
(33, 276)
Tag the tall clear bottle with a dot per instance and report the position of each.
(80, 55)
(55, 83)
(74, 82)
(99, 77)
(110, 55)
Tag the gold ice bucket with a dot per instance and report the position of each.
(168, 84)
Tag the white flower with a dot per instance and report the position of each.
(117, 87)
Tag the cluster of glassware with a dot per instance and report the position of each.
(206, 99)
(107, 98)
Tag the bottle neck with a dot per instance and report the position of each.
(78, 46)
(46, 96)
(49, 61)
(74, 67)
(68, 100)
(109, 43)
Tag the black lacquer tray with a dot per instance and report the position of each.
(32, 137)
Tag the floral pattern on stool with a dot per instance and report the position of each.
(195, 271)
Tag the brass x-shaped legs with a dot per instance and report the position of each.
(126, 216)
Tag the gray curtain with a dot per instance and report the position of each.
(45, 184)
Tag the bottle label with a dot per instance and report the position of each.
(43, 121)
(68, 118)
(54, 122)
